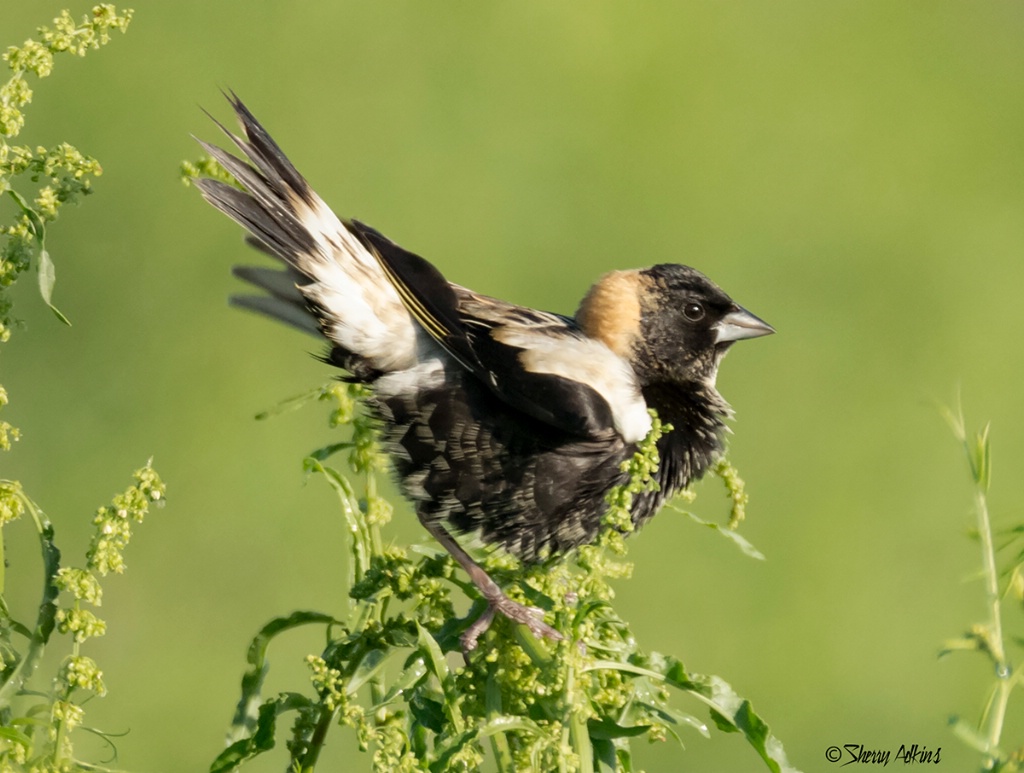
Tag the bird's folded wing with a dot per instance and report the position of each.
(537, 362)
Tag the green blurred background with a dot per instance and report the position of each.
(852, 172)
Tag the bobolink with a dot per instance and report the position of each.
(499, 419)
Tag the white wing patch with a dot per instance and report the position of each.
(589, 362)
(366, 315)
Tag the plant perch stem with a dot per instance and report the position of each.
(1004, 685)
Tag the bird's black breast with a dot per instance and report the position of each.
(697, 413)
(465, 456)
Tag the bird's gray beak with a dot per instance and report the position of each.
(740, 324)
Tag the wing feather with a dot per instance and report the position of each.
(535, 361)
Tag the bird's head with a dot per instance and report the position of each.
(670, 322)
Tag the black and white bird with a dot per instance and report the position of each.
(500, 420)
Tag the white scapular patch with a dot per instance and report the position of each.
(589, 362)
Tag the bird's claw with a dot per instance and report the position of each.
(531, 617)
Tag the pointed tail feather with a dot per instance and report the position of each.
(331, 283)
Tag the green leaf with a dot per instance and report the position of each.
(47, 278)
(291, 404)
(438, 666)
(970, 736)
(46, 272)
(506, 724)
(35, 223)
(402, 636)
(263, 737)
(14, 735)
(411, 676)
(983, 454)
(369, 666)
(502, 724)
(246, 713)
(729, 708)
(966, 643)
(428, 713)
(626, 668)
(431, 650)
(729, 711)
(741, 542)
(354, 519)
(605, 759)
(605, 729)
(672, 716)
(46, 617)
(330, 450)
(535, 647)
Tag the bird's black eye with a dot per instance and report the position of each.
(693, 312)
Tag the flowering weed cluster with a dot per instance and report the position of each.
(37, 721)
(40, 179)
(393, 671)
(70, 599)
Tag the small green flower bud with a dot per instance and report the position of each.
(80, 672)
(81, 584)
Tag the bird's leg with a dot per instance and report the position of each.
(496, 599)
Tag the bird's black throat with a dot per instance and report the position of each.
(697, 414)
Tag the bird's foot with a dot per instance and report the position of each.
(531, 617)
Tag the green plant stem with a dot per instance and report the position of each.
(376, 540)
(1004, 685)
(47, 609)
(375, 547)
(62, 726)
(499, 741)
(3, 576)
(317, 739)
(579, 737)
